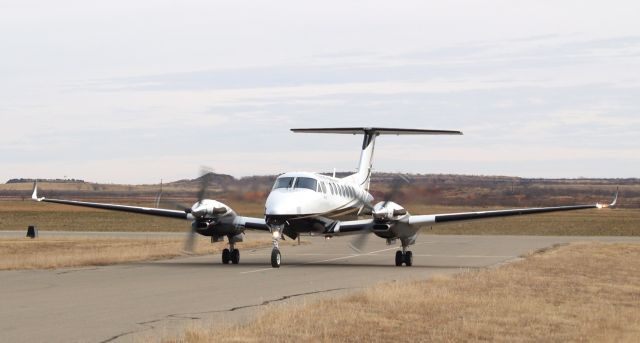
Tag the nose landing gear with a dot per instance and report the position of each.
(276, 257)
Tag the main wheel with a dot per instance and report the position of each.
(226, 256)
(408, 258)
(275, 258)
(399, 258)
(235, 256)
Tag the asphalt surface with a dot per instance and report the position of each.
(137, 301)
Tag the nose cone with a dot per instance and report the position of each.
(283, 203)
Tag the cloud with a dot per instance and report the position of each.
(136, 103)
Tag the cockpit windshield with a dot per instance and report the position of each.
(306, 182)
(283, 182)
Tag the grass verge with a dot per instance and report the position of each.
(580, 292)
(50, 253)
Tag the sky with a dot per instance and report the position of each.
(138, 91)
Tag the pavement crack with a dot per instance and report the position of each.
(148, 325)
(113, 338)
(75, 270)
(264, 303)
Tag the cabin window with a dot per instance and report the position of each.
(283, 182)
(324, 189)
(306, 182)
(331, 188)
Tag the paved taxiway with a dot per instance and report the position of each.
(129, 302)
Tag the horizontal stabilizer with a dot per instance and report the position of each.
(377, 131)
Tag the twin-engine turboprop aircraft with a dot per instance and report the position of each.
(304, 202)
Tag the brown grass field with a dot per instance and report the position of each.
(17, 215)
(50, 253)
(577, 293)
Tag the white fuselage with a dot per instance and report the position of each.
(298, 195)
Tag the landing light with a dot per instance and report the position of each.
(276, 234)
(599, 205)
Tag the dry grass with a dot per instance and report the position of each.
(49, 253)
(583, 292)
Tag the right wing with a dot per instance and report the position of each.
(159, 212)
(238, 221)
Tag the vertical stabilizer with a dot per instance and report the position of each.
(363, 176)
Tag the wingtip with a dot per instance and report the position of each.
(613, 203)
(34, 195)
(615, 198)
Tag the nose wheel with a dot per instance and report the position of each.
(276, 258)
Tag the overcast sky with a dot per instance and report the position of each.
(135, 91)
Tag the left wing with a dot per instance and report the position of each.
(423, 220)
(356, 226)
(433, 219)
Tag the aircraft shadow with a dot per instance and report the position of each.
(217, 265)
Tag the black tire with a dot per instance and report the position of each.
(235, 256)
(408, 258)
(276, 258)
(226, 256)
(399, 258)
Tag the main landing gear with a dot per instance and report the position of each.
(231, 255)
(404, 256)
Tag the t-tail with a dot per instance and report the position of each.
(363, 176)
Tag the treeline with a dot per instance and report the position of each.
(21, 180)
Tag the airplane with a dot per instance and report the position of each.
(318, 204)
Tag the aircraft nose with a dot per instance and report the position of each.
(282, 205)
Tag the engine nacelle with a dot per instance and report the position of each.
(388, 211)
(213, 218)
(209, 209)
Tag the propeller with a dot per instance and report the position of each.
(205, 179)
(396, 185)
(159, 195)
(360, 241)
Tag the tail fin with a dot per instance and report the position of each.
(363, 176)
